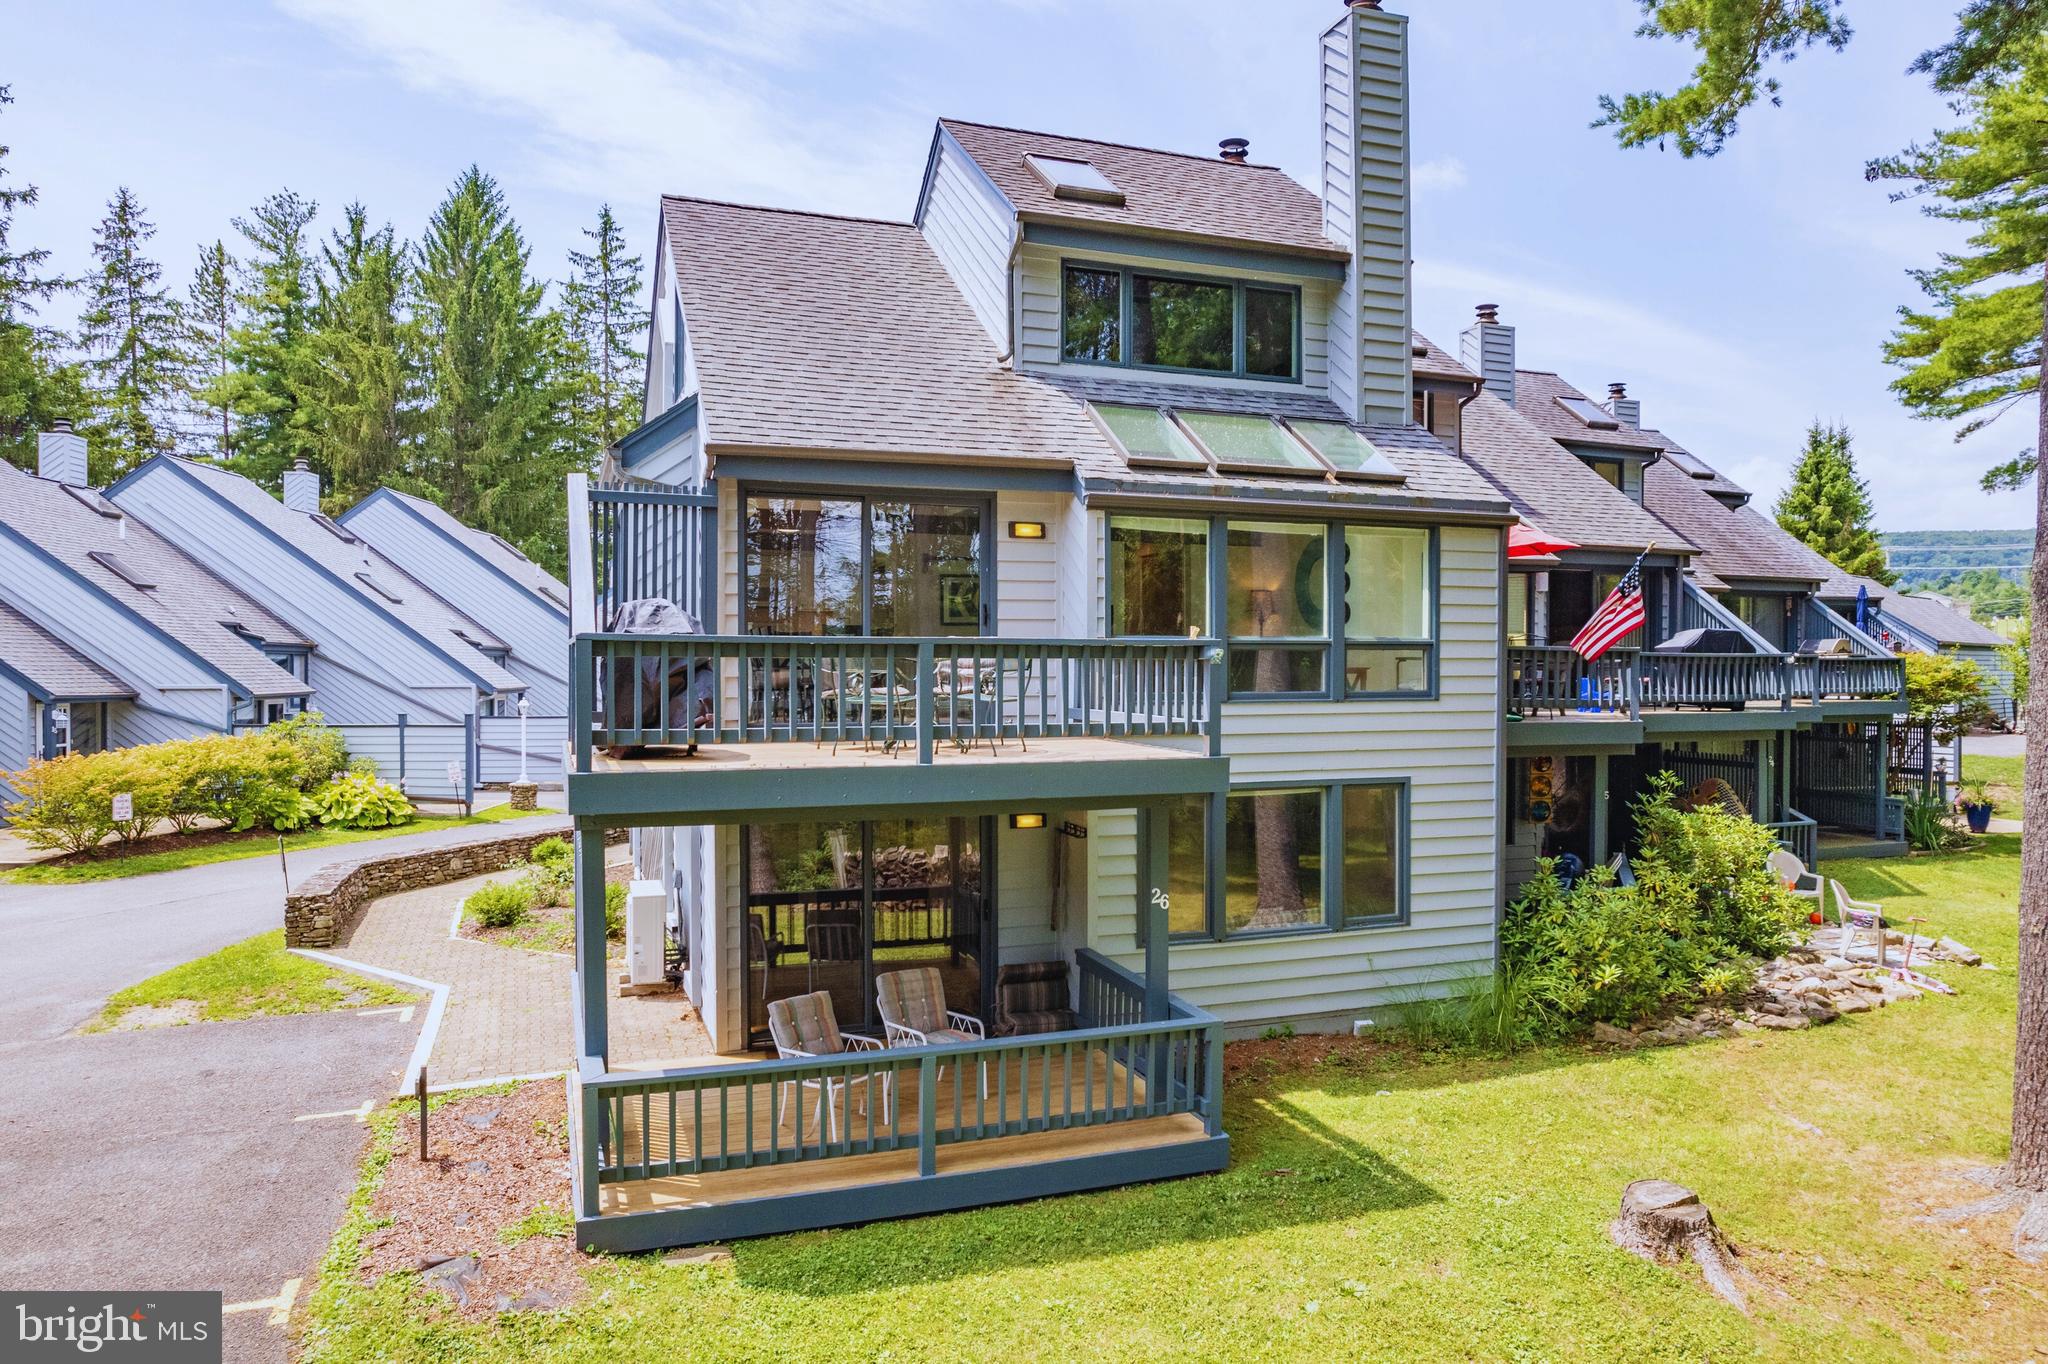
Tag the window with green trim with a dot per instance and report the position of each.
(1273, 860)
(1274, 606)
(1370, 822)
(1389, 610)
(1158, 576)
(1189, 323)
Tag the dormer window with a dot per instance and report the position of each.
(1185, 323)
(1070, 179)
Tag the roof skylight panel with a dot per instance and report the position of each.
(1240, 440)
(1348, 452)
(334, 528)
(371, 581)
(1070, 179)
(1589, 412)
(122, 568)
(1146, 435)
(1685, 462)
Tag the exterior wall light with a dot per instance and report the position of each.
(1027, 821)
(1027, 530)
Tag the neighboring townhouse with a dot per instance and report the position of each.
(512, 597)
(392, 654)
(1088, 619)
(113, 636)
(1918, 622)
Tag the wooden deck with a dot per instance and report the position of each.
(1037, 1088)
(804, 754)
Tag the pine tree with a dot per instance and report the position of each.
(358, 384)
(36, 385)
(1828, 506)
(132, 334)
(499, 432)
(601, 303)
(210, 319)
(267, 350)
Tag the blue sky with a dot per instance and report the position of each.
(1738, 297)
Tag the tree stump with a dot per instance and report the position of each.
(1666, 1223)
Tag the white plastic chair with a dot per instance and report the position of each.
(1860, 919)
(1793, 875)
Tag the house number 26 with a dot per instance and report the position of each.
(1159, 901)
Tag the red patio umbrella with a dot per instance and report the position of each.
(1527, 542)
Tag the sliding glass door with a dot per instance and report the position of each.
(834, 906)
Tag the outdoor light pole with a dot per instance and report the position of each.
(524, 780)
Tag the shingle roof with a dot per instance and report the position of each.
(1840, 586)
(417, 606)
(1174, 193)
(187, 603)
(500, 553)
(1942, 624)
(835, 335)
(1719, 483)
(1536, 397)
(1734, 542)
(49, 663)
(1434, 362)
(1552, 488)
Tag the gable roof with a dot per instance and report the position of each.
(1552, 488)
(1175, 194)
(497, 553)
(846, 336)
(1735, 542)
(190, 606)
(50, 668)
(1537, 392)
(1942, 624)
(439, 625)
(1716, 482)
(1431, 361)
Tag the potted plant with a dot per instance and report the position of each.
(1975, 803)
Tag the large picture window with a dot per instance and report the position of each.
(1158, 576)
(1389, 610)
(1274, 609)
(863, 566)
(1157, 320)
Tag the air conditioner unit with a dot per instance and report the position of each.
(646, 932)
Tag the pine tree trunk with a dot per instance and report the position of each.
(2029, 1165)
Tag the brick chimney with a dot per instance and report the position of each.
(1366, 208)
(1628, 411)
(1488, 349)
(301, 488)
(60, 454)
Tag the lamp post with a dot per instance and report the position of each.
(524, 780)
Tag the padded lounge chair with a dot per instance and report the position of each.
(804, 1027)
(1033, 997)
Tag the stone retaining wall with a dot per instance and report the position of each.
(323, 907)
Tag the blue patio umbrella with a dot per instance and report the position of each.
(1862, 607)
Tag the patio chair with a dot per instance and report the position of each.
(1861, 919)
(1794, 876)
(804, 1027)
(1032, 997)
(914, 1013)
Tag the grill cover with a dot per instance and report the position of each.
(1705, 641)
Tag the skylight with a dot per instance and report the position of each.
(1075, 179)
(1240, 440)
(1350, 454)
(121, 568)
(1685, 462)
(334, 528)
(1147, 436)
(1593, 415)
(94, 502)
(370, 580)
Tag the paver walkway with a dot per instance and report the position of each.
(508, 1009)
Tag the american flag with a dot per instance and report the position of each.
(1619, 614)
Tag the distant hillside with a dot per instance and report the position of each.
(1920, 557)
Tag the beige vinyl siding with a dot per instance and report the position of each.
(1028, 571)
(1024, 900)
(971, 229)
(1038, 318)
(1447, 750)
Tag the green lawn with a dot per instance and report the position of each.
(2002, 778)
(247, 980)
(103, 868)
(1386, 1204)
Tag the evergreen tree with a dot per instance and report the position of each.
(1975, 353)
(601, 303)
(209, 327)
(267, 349)
(132, 334)
(499, 432)
(1828, 507)
(36, 385)
(358, 384)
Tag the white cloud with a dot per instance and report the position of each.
(1443, 172)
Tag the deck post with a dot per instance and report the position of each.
(1153, 905)
(1880, 760)
(927, 708)
(1599, 810)
(590, 944)
(928, 1114)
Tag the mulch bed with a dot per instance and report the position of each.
(159, 843)
(1256, 1059)
(550, 928)
(493, 1159)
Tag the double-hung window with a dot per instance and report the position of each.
(1110, 315)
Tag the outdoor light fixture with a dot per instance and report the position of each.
(1027, 821)
(1027, 530)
